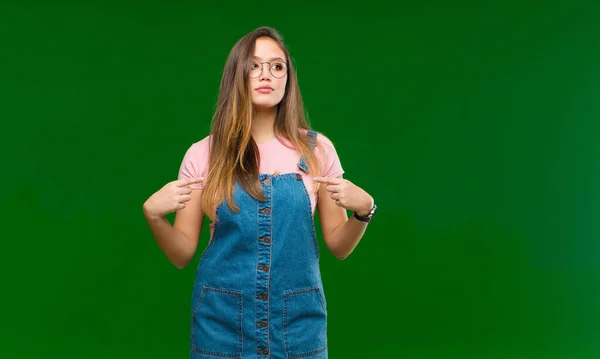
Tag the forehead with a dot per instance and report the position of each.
(267, 48)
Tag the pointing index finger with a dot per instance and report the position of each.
(188, 181)
(330, 180)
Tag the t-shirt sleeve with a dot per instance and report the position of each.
(195, 162)
(330, 162)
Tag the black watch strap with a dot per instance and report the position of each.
(367, 218)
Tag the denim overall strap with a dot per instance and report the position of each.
(302, 163)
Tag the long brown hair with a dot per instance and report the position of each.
(234, 155)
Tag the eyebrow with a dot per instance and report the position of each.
(271, 59)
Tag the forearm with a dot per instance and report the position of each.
(174, 245)
(346, 237)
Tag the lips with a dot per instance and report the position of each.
(264, 89)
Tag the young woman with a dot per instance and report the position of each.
(258, 177)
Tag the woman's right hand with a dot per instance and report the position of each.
(170, 198)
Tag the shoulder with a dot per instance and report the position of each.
(197, 155)
(196, 158)
(322, 139)
(325, 150)
(325, 141)
(325, 144)
(326, 154)
(198, 152)
(200, 147)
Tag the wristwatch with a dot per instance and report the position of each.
(368, 217)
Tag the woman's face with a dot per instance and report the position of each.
(267, 86)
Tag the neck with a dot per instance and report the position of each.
(263, 121)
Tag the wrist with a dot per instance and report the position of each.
(365, 211)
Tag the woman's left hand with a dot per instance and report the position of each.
(347, 195)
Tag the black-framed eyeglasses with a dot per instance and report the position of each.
(278, 69)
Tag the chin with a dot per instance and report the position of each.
(264, 104)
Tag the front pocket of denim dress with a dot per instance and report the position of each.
(217, 323)
(304, 323)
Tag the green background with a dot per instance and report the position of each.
(474, 125)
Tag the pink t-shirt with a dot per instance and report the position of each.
(275, 158)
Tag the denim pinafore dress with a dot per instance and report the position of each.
(258, 291)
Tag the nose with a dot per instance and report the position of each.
(266, 72)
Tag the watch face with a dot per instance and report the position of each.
(373, 211)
